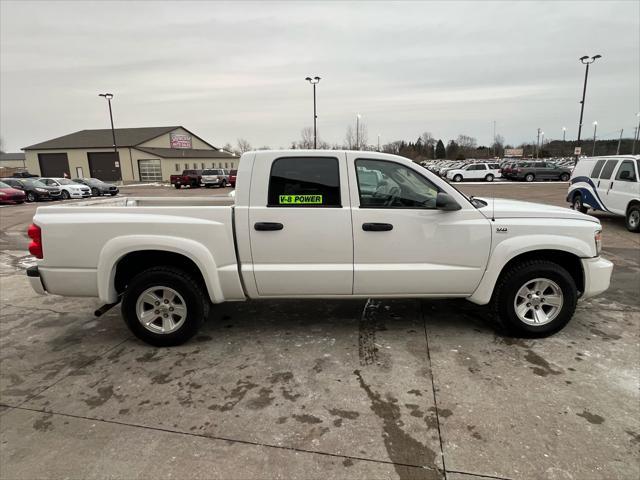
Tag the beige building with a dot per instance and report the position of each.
(12, 160)
(149, 154)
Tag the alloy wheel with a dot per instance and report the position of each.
(161, 310)
(538, 301)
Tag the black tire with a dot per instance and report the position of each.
(577, 204)
(177, 185)
(65, 195)
(489, 178)
(223, 184)
(529, 177)
(564, 177)
(31, 197)
(183, 283)
(95, 192)
(457, 178)
(113, 194)
(633, 218)
(510, 283)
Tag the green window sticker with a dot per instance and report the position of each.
(300, 199)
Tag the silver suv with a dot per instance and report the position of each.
(215, 177)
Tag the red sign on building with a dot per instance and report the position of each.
(180, 140)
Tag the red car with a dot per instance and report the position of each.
(232, 178)
(9, 195)
(191, 178)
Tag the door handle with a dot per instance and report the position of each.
(377, 227)
(268, 226)
(598, 186)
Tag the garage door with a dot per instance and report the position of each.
(105, 166)
(150, 170)
(53, 164)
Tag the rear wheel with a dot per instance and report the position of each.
(489, 178)
(177, 185)
(164, 306)
(457, 178)
(529, 177)
(577, 204)
(564, 177)
(633, 218)
(223, 184)
(535, 298)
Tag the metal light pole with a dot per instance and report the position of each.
(358, 131)
(108, 97)
(538, 143)
(314, 81)
(595, 129)
(619, 142)
(564, 136)
(541, 140)
(585, 61)
(378, 142)
(635, 138)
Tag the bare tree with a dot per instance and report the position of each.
(466, 142)
(498, 145)
(350, 138)
(306, 140)
(243, 145)
(357, 141)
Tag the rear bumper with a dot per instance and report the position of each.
(597, 275)
(34, 279)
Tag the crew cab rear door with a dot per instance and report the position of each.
(403, 245)
(300, 225)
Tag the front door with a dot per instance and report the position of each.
(623, 188)
(300, 226)
(605, 182)
(403, 245)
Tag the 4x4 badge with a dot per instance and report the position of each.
(501, 229)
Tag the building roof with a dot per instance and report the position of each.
(185, 153)
(11, 156)
(125, 137)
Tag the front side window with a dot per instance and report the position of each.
(608, 169)
(386, 184)
(304, 182)
(626, 172)
(551, 165)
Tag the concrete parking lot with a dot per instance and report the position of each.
(320, 389)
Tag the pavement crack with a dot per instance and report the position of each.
(479, 475)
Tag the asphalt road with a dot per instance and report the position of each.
(320, 389)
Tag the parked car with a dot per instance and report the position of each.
(24, 175)
(301, 227)
(10, 195)
(69, 188)
(189, 178)
(215, 177)
(475, 171)
(609, 184)
(232, 178)
(98, 187)
(34, 189)
(530, 171)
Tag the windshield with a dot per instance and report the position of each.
(32, 183)
(94, 180)
(4, 185)
(65, 181)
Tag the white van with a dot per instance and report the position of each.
(609, 184)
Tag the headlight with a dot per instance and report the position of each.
(598, 239)
(41, 190)
(2, 194)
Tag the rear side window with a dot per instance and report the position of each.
(626, 172)
(608, 169)
(597, 168)
(304, 182)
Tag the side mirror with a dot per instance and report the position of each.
(445, 202)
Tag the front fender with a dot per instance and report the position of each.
(115, 249)
(510, 248)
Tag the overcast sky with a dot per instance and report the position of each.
(230, 70)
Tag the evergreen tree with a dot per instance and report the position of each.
(440, 150)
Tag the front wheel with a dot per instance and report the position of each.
(65, 195)
(535, 298)
(95, 192)
(164, 306)
(223, 184)
(564, 177)
(633, 218)
(31, 197)
(457, 178)
(177, 185)
(489, 178)
(529, 177)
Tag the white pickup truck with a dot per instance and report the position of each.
(319, 224)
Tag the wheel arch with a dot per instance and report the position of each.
(121, 258)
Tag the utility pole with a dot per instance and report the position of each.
(595, 128)
(538, 143)
(378, 142)
(494, 138)
(619, 142)
(564, 136)
(314, 81)
(108, 97)
(635, 137)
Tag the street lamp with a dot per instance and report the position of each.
(564, 136)
(378, 142)
(595, 129)
(358, 131)
(635, 138)
(109, 97)
(585, 61)
(538, 143)
(314, 81)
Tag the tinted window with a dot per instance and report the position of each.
(608, 169)
(494, 165)
(304, 182)
(626, 172)
(385, 184)
(476, 167)
(597, 169)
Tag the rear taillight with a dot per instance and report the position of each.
(35, 234)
